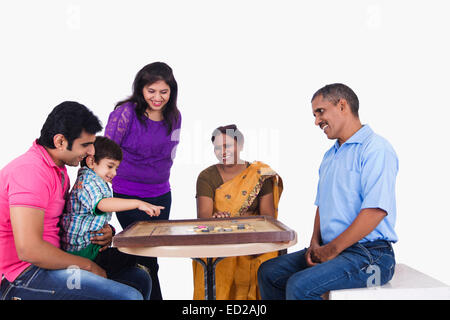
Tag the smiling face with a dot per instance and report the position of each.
(156, 95)
(81, 148)
(106, 168)
(227, 150)
(329, 117)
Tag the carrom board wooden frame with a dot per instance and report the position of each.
(282, 233)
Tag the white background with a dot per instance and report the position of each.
(255, 64)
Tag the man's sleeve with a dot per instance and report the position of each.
(378, 175)
(29, 187)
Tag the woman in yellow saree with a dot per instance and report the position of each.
(235, 188)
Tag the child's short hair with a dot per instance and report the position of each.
(105, 148)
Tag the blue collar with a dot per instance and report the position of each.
(358, 137)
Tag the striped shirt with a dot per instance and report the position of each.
(81, 215)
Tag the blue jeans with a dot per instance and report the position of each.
(361, 265)
(128, 217)
(76, 284)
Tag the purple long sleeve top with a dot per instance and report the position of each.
(148, 152)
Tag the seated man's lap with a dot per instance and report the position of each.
(71, 283)
(356, 267)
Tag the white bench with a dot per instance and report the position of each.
(406, 284)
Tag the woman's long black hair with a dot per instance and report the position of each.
(149, 74)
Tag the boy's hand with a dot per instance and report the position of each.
(150, 209)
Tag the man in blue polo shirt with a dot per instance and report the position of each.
(351, 244)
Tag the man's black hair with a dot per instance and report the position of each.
(336, 91)
(69, 119)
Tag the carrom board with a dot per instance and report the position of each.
(257, 229)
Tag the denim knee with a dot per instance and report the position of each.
(131, 293)
(295, 290)
(265, 270)
(107, 289)
(145, 282)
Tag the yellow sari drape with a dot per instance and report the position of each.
(236, 277)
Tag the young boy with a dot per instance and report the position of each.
(90, 206)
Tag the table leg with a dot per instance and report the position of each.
(209, 271)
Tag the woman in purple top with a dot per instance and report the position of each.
(146, 126)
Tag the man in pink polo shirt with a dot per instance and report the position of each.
(33, 189)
